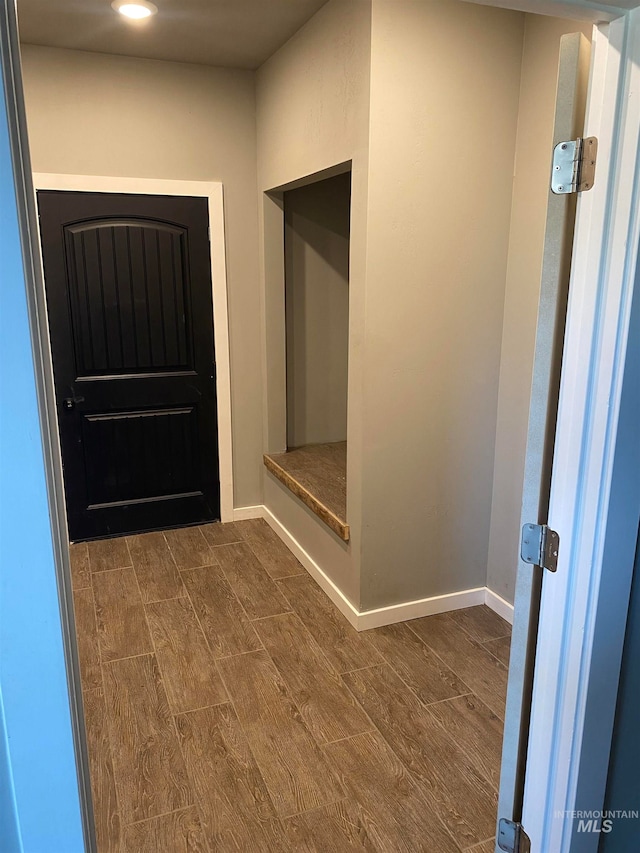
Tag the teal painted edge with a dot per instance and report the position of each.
(10, 841)
(37, 730)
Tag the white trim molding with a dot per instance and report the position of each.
(598, 323)
(499, 605)
(213, 192)
(243, 513)
(362, 620)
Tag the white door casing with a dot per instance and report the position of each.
(213, 192)
(602, 282)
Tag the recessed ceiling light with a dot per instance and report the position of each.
(137, 10)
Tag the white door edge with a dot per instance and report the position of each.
(602, 280)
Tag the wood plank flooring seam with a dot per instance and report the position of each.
(201, 807)
(150, 654)
(465, 618)
(237, 597)
(194, 792)
(172, 785)
(374, 727)
(181, 530)
(112, 845)
(127, 657)
(272, 616)
(406, 755)
(155, 567)
(79, 566)
(349, 737)
(155, 816)
(325, 805)
(409, 687)
(317, 650)
(95, 613)
(285, 578)
(231, 702)
(194, 798)
(113, 569)
(96, 544)
(494, 646)
(106, 710)
(161, 600)
(175, 562)
(411, 790)
(173, 715)
(202, 707)
(278, 796)
(104, 694)
(485, 646)
(189, 670)
(444, 663)
(480, 843)
(241, 654)
(345, 648)
(447, 682)
(361, 668)
(499, 708)
(438, 701)
(429, 705)
(465, 751)
(251, 583)
(202, 627)
(415, 693)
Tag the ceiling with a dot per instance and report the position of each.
(232, 33)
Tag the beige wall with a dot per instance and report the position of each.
(530, 192)
(317, 310)
(312, 114)
(93, 114)
(313, 95)
(444, 104)
(387, 87)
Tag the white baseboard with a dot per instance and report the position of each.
(242, 513)
(365, 619)
(499, 605)
(324, 582)
(420, 607)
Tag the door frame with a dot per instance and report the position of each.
(214, 193)
(605, 259)
(575, 604)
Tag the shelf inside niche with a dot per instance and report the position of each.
(317, 475)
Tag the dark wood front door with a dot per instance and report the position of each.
(128, 286)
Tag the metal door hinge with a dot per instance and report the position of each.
(574, 165)
(512, 838)
(539, 545)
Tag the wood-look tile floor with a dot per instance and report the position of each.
(230, 707)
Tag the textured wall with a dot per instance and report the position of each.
(312, 114)
(444, 107)
(317, 310)
(93, 114)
